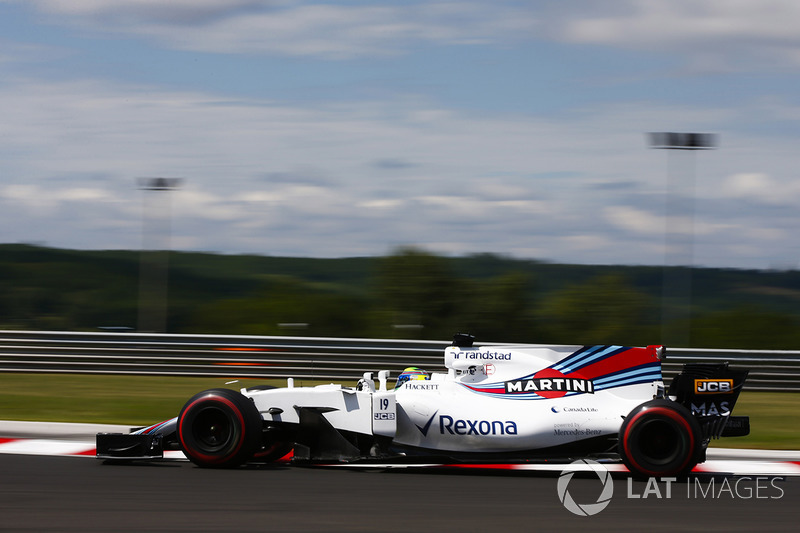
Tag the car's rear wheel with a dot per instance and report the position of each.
(219, 428)
(660, 438)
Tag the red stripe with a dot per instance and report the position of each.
(627, 359)
(495, 466)
(496, 390)
(244, 364)
(243, 349)
(87, 452)
(3, 441)
(286, 458)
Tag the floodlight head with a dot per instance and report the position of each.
(159, 184)
(682, 141)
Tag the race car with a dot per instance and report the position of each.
(506, 403)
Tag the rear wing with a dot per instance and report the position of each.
(710, 391)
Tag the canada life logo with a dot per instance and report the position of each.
(550, 383)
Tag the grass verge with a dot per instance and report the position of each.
(773, 421)
(133, 400)
(143, 400)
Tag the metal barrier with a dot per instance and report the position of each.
(301, 357)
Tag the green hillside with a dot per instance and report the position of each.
(410, 294)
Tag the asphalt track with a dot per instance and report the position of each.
(42, 493)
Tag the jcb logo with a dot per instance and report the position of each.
(713, 386)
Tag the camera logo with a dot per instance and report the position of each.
(585, 509)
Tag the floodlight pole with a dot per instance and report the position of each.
(154, 260)
(679, 231)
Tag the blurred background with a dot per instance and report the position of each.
(410, 294)
(402, 169)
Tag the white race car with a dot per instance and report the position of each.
(498, 403)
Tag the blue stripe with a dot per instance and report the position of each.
(153, 428)
(572, 364)
(646, 368)
(642, 376)
(631, 381)
(626, 380)
(576, 356)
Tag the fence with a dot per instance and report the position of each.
(300, 357)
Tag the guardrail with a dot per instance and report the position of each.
(300, 357)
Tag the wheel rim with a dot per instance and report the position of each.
(212, 429)
(658, 440)
(661, 442)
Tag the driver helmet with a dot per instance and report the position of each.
(411, 373)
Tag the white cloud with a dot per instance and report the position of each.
(382, 204)
(756, 186)
(760, 234)
(635, 220)
(266, 177)
(678, 23)
(294, 27)
(587, 243)
(707, 34)
(23, 194)
(194, 203)
(174, 11)
(47, 198)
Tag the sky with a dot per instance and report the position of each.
(349, 128)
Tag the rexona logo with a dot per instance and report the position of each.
(713, 386)
(550, 383)
(483, 356)
(457, 426)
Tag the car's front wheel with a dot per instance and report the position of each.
(219, 428)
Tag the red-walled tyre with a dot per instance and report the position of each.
(219, 428)
(660, 438)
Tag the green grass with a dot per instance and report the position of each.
(773, 421)
(127, 400)
(143, 400)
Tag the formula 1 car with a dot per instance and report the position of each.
(495, 403)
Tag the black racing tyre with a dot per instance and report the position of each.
(219, 428)
(660, 438)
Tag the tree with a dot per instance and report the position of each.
(500, 309)
(418, 289)
(605, 309)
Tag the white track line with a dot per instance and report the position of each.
(721, 461)
(56, 447)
